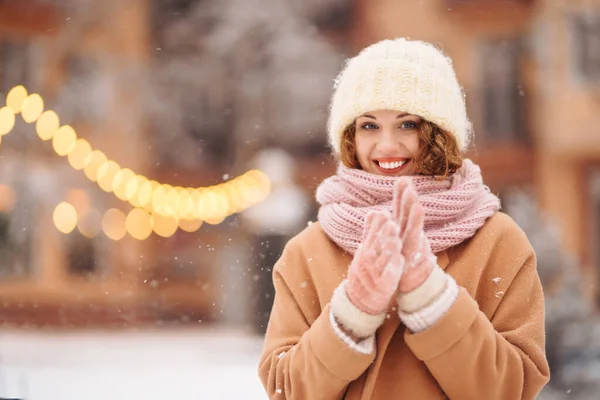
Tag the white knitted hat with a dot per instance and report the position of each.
(403, 75)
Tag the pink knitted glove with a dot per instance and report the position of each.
(377, 266)
(426, 293)
(360, 302)
(407, 210)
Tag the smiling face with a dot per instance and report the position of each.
(387, 142)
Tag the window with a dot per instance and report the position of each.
(337, 17)
(81, 255)
(15, 64)
(17, 226)
(87, 92)
(502, 92)
(586, 43)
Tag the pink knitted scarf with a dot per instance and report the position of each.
(455, 208)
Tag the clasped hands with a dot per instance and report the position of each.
(394, 257)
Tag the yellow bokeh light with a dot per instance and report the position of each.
(47, 125)
(113, 224)
(65, 217)
(189, 205)
(171, 205)
(139, 224)
(195, 195)
(207, 204)
(106, 175)
(258, 187)
(133, 187)
(33, 106)
(190, 225)
(212, 205)
(120, 182)
(79, 154)
(221, 203)
(186, 204)
(215, 220)
(7, 120)
(15, 98)
(228, 194)
(164, 226)
(159, 196)
(234, 192)
(89, 223)
(64, 140)
(145, 193)
(92, 163)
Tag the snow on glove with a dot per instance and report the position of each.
(426, 293)
(360, 303)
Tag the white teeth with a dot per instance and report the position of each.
(392, 165)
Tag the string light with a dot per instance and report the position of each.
(113, 224)
(32, 108)
(106, 175)
(164, 226)
(63, 140)
(47, 125)
(79, 153)
(65, 217)
(7, 120)
(92, 163)
(190, 225)
(138, 224)
(185, 208)
(15, 98)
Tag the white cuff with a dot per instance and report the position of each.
(365, 346)
(425, 318)
(351, 317)
(425, 294)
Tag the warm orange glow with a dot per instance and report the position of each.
(139, 224)
(92, 163)
(63, 140)
(65, 217)
(164, 226)
(15, 98)
(7, 120)
(33, 106)
(78, 155)
(47, 125)
(113, 224)
(106, 175)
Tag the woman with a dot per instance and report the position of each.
(412, 285)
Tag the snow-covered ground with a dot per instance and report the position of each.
(162, 364)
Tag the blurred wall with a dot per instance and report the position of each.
(531, 72)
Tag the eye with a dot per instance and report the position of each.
(409, 125)
(368, 126)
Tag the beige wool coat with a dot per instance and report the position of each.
(489, 345)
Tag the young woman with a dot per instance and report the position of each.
(412, 285)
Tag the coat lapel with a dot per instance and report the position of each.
(388, 329)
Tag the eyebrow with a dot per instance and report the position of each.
(401, 115)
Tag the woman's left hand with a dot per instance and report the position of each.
(409, 213)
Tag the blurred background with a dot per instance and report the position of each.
(156, 155)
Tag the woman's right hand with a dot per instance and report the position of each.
(377, 266)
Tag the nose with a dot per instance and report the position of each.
(388, 142)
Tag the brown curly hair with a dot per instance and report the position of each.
(439, 155)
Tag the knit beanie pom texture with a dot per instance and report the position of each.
(401, 75)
